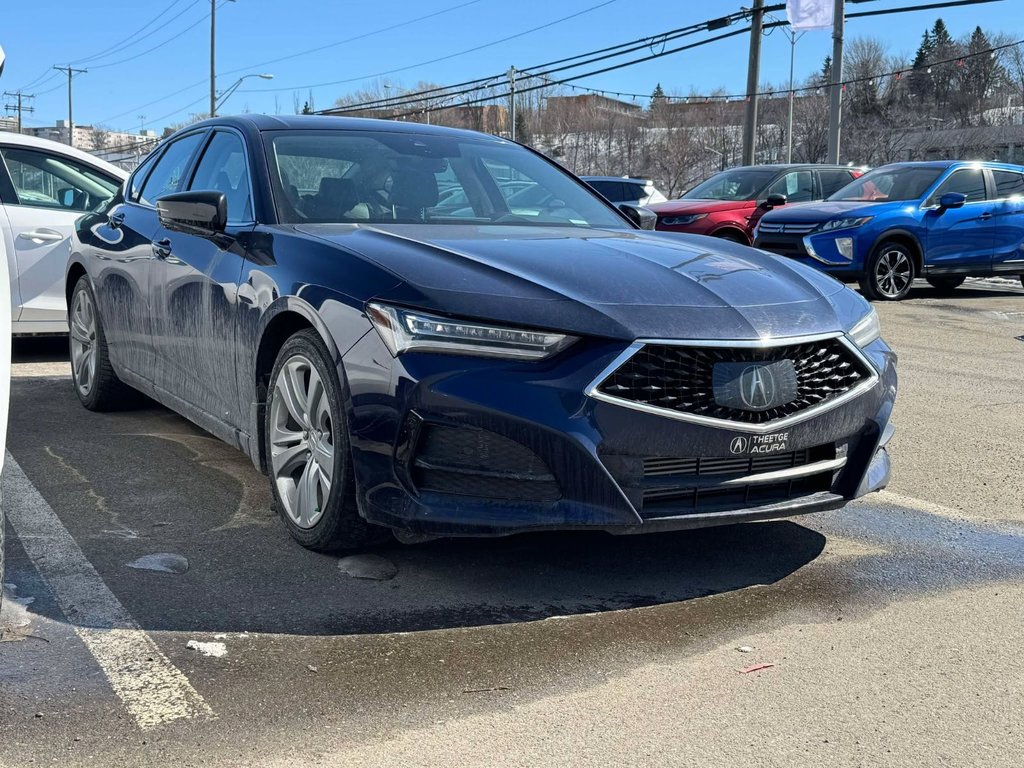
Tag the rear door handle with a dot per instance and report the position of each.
(986, 216)
(116, 220)
(162, 248)
(42, 236)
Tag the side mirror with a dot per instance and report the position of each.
(196, 213)
(774, 201)
(952, 200)
(643, 217)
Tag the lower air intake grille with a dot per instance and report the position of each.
(680, 378)
(479, 463)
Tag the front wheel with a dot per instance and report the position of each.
(945, 284)
(96, 384)
(307, 448)
(890, 272)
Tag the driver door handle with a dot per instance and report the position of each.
(42, 236)
(986, 216)
(162, 248)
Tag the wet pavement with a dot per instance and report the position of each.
(470, 639)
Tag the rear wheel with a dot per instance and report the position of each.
(307, 448)
(96, 384)
(945, 283)
(890, 272)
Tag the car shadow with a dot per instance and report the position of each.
(143, 482)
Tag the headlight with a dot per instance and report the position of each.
(405, 330)
(860, 221)
(678, 221)
(866, 329)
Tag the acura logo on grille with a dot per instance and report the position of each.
(757, 387)
(738, 445)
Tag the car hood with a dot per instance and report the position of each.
(619, 284)
(807, 212)
(680, 207)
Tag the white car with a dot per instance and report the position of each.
(44, 187)
(626, 189)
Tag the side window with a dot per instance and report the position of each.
(969, 181)
(833, 180)
(611, 190)
(223, 169)
(45, 180)
(797, 186)
(169, 173)
(139, 176)
(1008, 183)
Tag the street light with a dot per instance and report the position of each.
(234, 87)
(793, 35)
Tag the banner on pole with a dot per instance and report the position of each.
(810, 14)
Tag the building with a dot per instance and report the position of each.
(118, 147)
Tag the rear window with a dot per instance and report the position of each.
(1008, 183)
(833, 181)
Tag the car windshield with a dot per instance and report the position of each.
(378, 177)
(740, 184)
(884, 185)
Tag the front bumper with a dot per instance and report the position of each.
(601, 459)
(832, 252)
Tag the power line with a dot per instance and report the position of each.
(362, 36)
(443, 58)
(122, 44)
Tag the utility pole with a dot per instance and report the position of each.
(71, 72)
(19, 107)
(512, 90)
(753, 76)
(213, 58)
(835, 106)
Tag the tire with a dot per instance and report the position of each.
(309, 458)
(890, 272)
(733, 237)
(945, 284)
(95, 382)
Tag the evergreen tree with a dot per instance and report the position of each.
(920, 79)
(657, 96)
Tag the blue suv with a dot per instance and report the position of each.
(943, 221)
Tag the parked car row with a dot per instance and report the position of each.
(940, 220)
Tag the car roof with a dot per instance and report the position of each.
(638, 179)
(35, 142)
(336, 123)
(792, 166)
(954, 163)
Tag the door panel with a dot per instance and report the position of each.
(960, 238)
(1008, 252)
(199, 290)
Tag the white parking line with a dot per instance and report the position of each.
(152, 689)
(919, 504)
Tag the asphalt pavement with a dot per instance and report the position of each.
(883, 634)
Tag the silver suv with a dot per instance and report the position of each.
(624, 189)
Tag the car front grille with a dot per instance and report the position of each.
(678, 379)
(789, 228)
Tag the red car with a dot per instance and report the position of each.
(730, 203)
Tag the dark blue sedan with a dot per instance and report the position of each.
(943, 221)
(297, 287)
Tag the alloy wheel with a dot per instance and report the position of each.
(301, 441)
(893, 273)
(83, 342)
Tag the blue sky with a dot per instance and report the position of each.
(168, 83)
